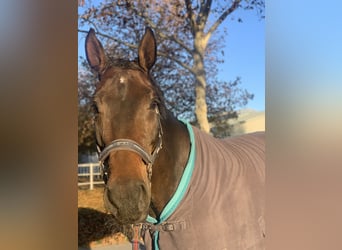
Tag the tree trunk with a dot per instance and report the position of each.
(200, 90)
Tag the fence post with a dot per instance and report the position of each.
(91, 172)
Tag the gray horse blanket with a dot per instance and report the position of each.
(219, 203)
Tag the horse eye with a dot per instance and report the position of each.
(154, 104)
(95, 108)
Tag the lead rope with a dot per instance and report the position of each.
(136, 242)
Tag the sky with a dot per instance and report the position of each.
(244, 55)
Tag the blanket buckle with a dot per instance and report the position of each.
(167, 227)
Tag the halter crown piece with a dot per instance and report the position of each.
(130, 145)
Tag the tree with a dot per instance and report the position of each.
(202, 30)
(188, 52)
(86, 142)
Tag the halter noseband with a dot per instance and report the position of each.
(130, 145)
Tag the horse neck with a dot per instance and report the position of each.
(170, 164)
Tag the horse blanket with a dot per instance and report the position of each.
(219, 203)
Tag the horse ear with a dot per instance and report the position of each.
(95, 52)
(147, 50)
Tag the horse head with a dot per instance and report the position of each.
(128, 128)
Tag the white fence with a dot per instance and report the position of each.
(89, 174)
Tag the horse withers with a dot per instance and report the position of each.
(184, 188)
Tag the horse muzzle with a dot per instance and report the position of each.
(128, 201)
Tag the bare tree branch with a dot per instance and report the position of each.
(160, 32)
(190, 69)
(191, 16)
(132, 46)
(223, 16)
(174, 39)
(204, 13)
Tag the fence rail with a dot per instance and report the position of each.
(89, 174)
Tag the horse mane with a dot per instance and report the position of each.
(124, 63)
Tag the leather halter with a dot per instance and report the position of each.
(133, 146)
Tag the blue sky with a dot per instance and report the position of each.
(244, 55)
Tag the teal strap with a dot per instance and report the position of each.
(181, 189)
(155, 240)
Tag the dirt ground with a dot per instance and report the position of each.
(95, 226)
(91, 198)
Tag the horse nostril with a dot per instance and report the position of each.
(131, 195)
(143, 199)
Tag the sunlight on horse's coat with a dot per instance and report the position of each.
(204, 193)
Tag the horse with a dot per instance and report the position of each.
(181, 187)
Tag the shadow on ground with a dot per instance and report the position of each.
(100, 229)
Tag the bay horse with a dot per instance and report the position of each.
(183, 188)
